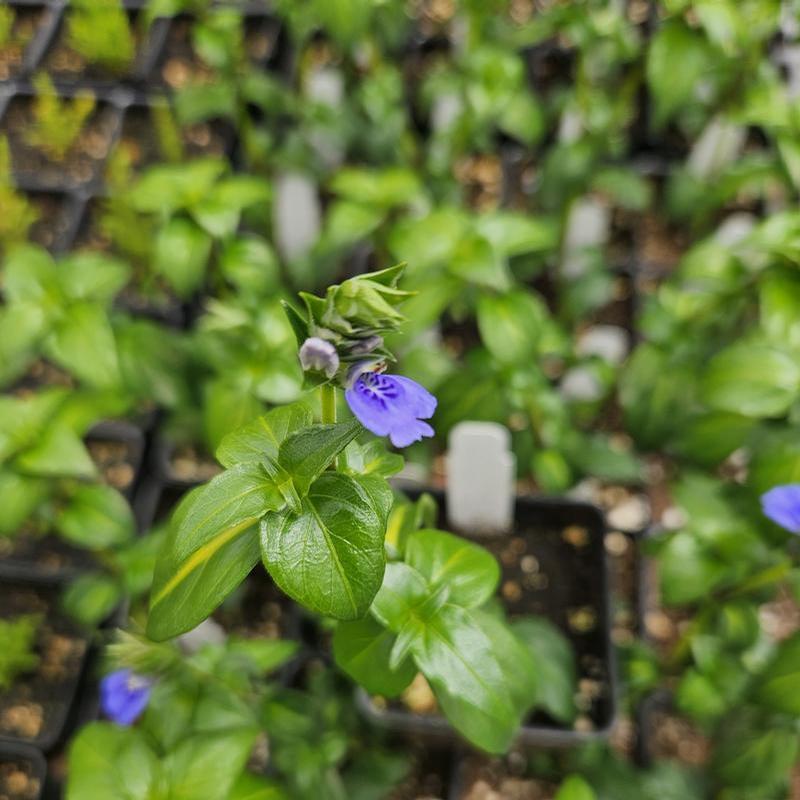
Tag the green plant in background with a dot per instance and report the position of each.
(100, 31)
(18, 653)
(18, 212)
(57, 123)
(7, 19)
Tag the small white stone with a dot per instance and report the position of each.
(326, 86)
(609, 342)
(674, 518)
(632, 514)
(446, 110)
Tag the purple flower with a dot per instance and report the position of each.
(320, 355)
(393, 406)
(124, 696)
(782, 505)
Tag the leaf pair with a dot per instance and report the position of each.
(427, 617)
(321, 535)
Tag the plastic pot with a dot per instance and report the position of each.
(23, 772)
(560, 572)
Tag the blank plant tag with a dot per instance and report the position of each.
(480, 478)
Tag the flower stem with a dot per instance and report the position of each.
(327, 402)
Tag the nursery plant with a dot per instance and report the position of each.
(57, 123)
(19, 213)
(313, 504)
(101, 33)
(19, 653)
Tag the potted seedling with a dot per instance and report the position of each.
(23, 771)
(21, 28)
(43, 656)
(19, 213)
(55, 142)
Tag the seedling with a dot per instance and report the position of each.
(17, 655)
(100, 31)
(7, 19)
(18, 212)
(57, 123)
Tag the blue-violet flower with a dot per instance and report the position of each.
(124, 696)
(782, 505)
(391, 405)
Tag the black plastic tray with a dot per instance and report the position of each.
(11, 753)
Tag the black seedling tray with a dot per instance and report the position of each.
(27, 760)
(570, 588)
(55, 699)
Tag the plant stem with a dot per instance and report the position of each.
(327, 402)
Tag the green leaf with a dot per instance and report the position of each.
(677, 59)
(29, 274)
(261, 439)
(384, 188)
(756, 380)
(329, 557)
(87, 275)
(779, 684)
(211, 547)
(82, 342)
(687, 571)
(575, 788)
(372, 458)
(103, 757)
(752, 753)
(475, 261)
(181, 254)
(481, 675)
(22, 419)
(512, 234)
(91, 598)
(20, 496)
(780, 308)
(168, 188)
(349, 222)
(362, 648)
(96, 517)
(470, 572)
(226, 407)
(556, 671)
(307, 453)
(510, 325)
(250, 264)
(254, 787)
(206, 765)
(60, 452)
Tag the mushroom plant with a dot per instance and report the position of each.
(311, 501)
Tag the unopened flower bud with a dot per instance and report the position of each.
(319, 355)
(364, 346)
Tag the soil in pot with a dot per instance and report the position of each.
(671, 736)
(482, 778)
(82, 162)
(481, 179)
(188, 464)
(117, 459)
(66, 64)
(428, 777)
(21, 778)
(34, 709)
(141, 140)
(30, 552)
(54, 217)
(28, 22)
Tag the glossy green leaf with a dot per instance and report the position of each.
(211, 547)
(20, 496)
(307, 453)
(255, 787)
(261, 439)
(556, 671)
(87, 275)
(91, 598)
(362, 648)
(470, 572)
(329, 557)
